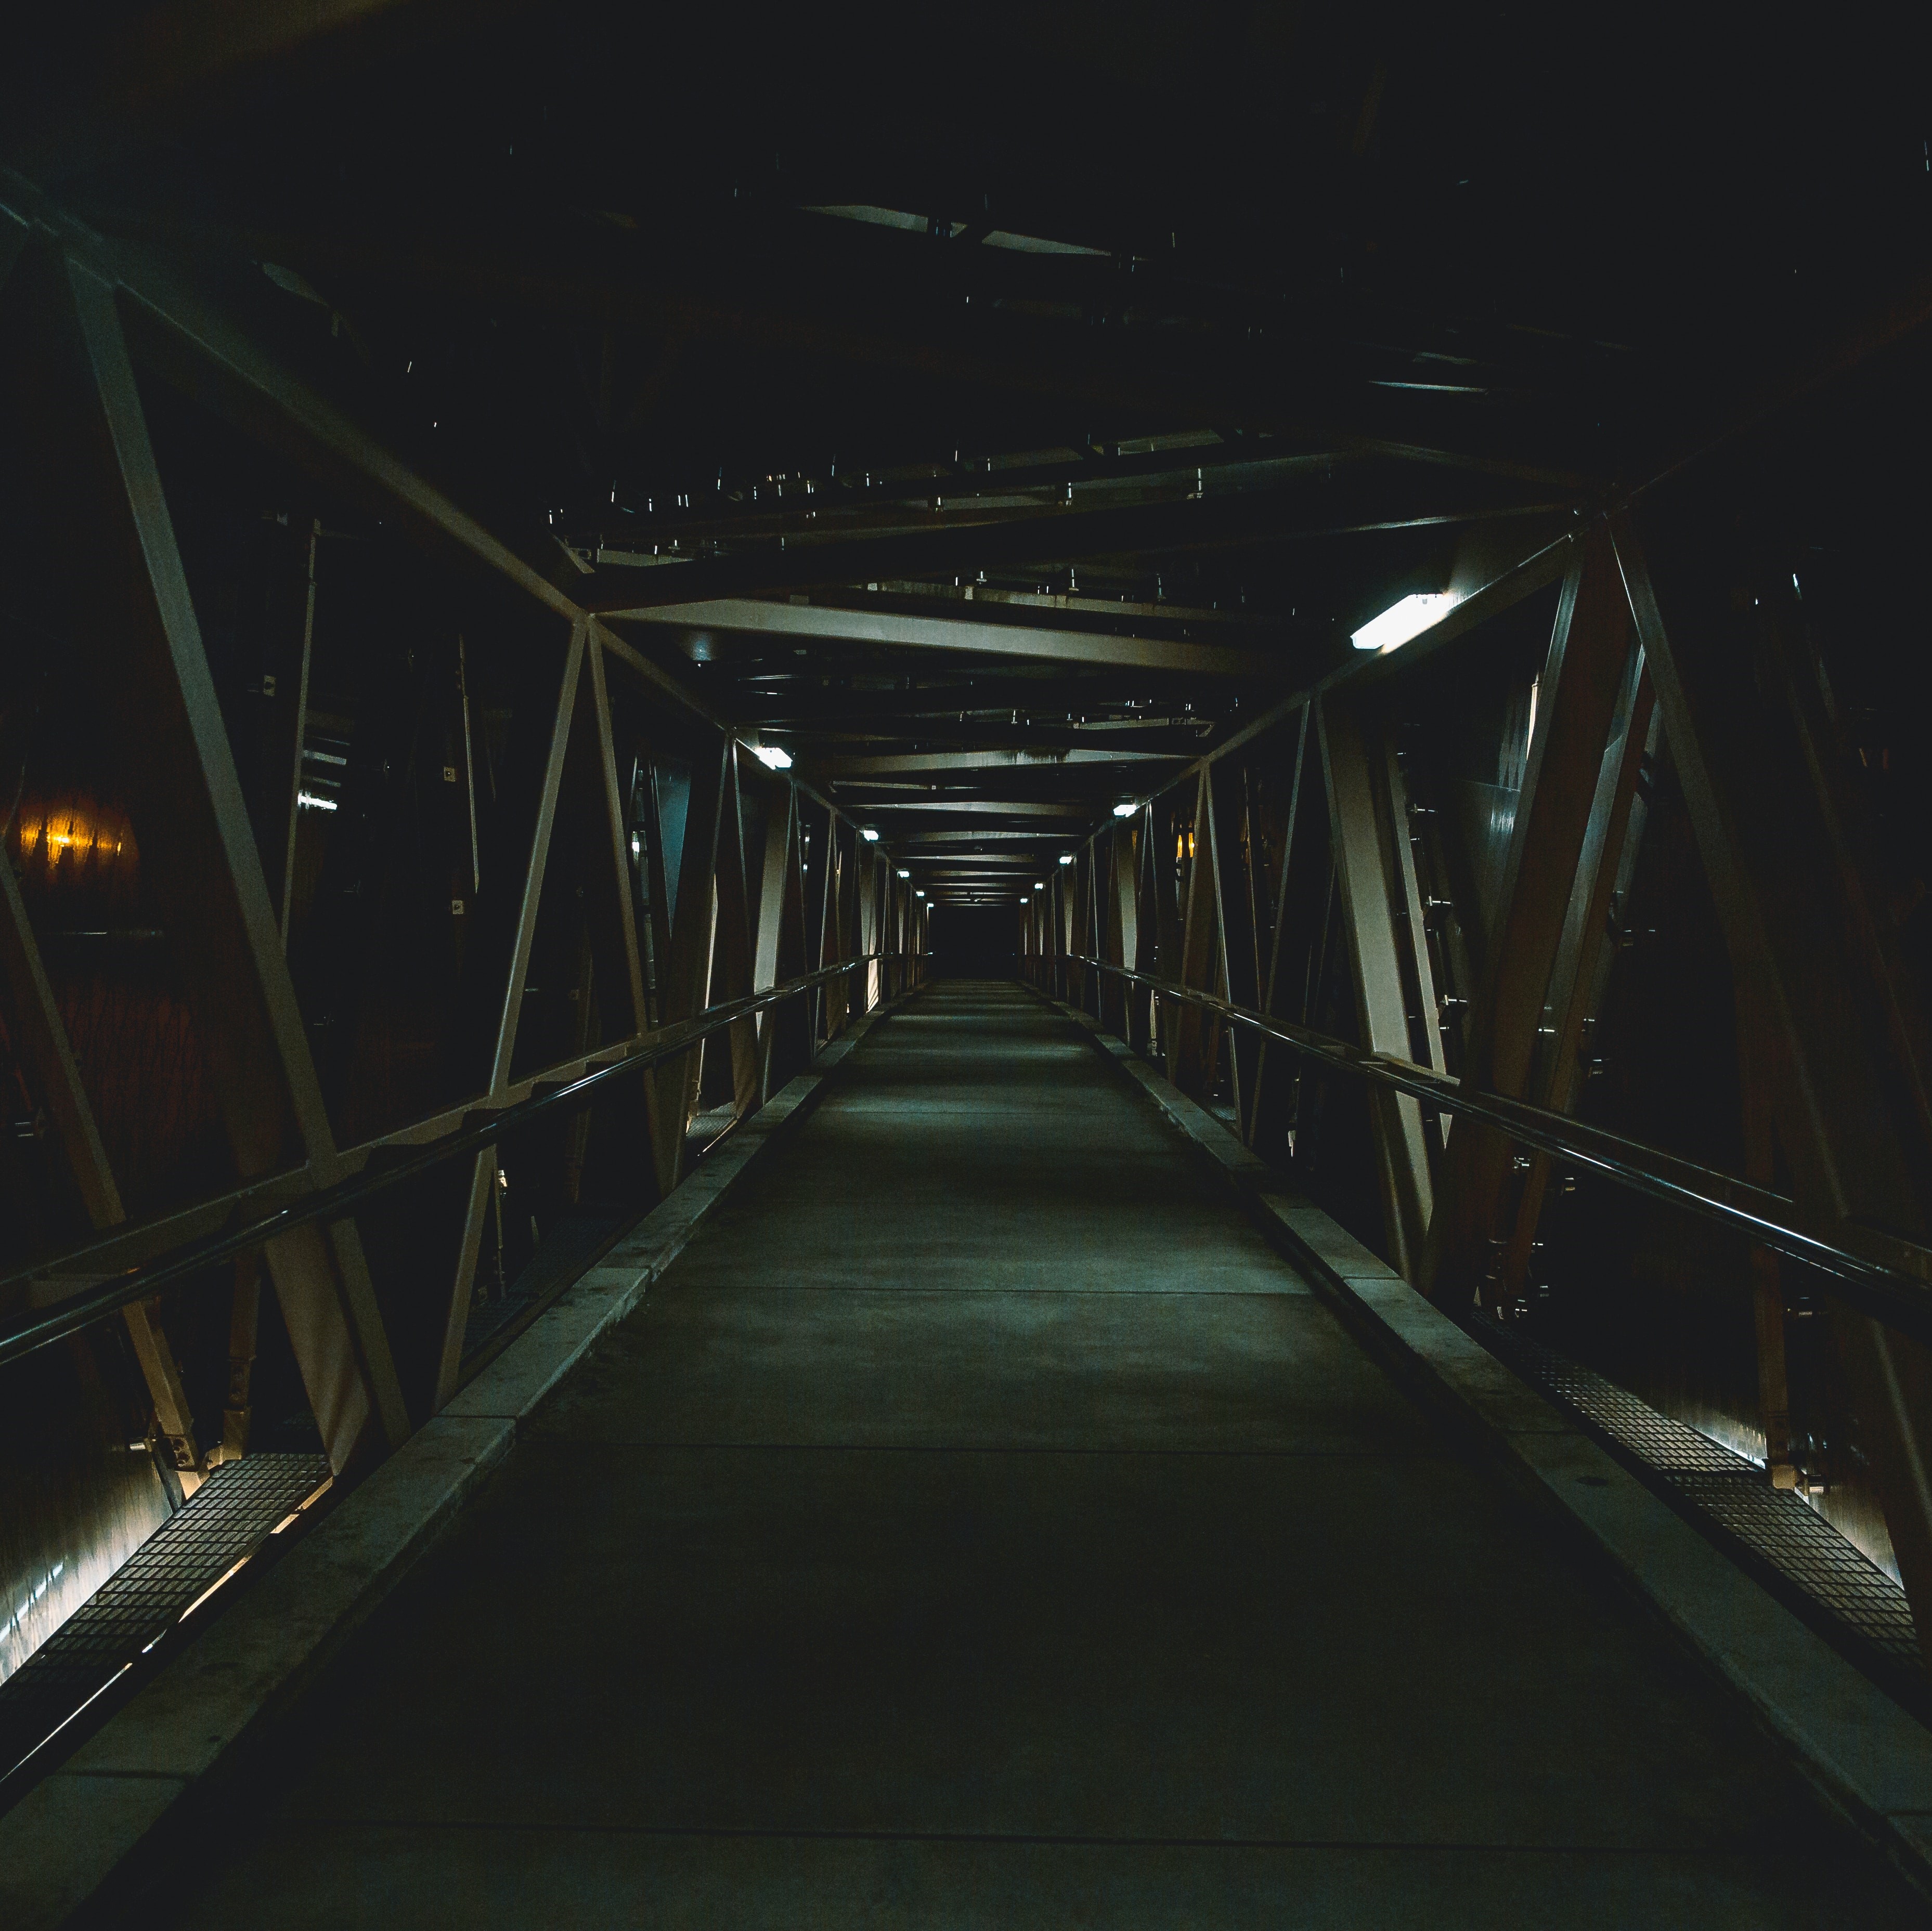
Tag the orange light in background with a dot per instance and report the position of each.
(63, 840)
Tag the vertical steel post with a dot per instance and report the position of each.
(1582, 968)
(1271, 987)
(502, 1047)
(223, 924)
(1382, 1001)
(1188, 1066)
(688, 970)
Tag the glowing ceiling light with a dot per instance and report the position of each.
(918, 894)
(866, 832)
(314, 803)
(1039, 885)
(1066, 858)
(1402, 621)
(773, 757)
(904, 872)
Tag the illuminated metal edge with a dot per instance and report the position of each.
(1865, 1610)
(1889, 1283)
(234, 1512)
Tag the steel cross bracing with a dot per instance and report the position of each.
(485, 1126)
(1285, 897)
(1885, 1275)
(758, 937)
(1289, 909)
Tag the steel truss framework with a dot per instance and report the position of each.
(1291, 859)
(1294, 855)
(762, 882)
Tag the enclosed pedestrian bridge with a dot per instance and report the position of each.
(961, 972)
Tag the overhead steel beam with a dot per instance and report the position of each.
(801, 701)
(886, 764)
(1354, 502)
(911, 836)
(1066, 607)
(1086, 745)
(890, 502)
(1050, 785)
(997, 807)
(750, 615)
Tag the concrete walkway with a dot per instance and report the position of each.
(981, 1525)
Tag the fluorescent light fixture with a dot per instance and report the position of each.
(773, 757)
(314, 803)
(1023, 898)
(1400, 622)
(904, 872)
(1126, 808)
(920, 893)
(1039, 885)
(1066, 858)
(866, 832)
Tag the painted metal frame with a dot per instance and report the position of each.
(106, 310)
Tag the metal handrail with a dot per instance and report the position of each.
(1888, 1280)
(39, 1327)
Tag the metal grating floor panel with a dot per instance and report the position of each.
(1844, 1589)
(229, 1517)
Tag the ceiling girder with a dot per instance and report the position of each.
(999, 808)
(1359, 500)
(816, 621)
(838, 766)
(1039, 745)
(911, 837)
(801, 701)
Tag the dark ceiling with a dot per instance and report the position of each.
(1027, 393)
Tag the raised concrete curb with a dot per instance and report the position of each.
(64, 1841)
(1871, 1760)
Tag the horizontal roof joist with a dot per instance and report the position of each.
(1360, 498)
(815, 621)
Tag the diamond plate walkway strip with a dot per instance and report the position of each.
(234, 1512)
(1866, 1609)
